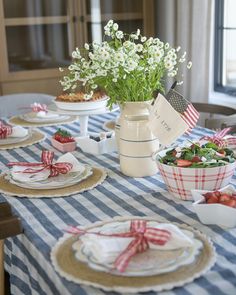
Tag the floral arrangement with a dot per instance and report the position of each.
(129, 67)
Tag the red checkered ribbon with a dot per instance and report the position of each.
(37, 107)
(5, 130)
(142, 235)
(219, 139)
(46, 164)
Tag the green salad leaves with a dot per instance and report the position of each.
(198, 156)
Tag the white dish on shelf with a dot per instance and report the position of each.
(62, 180)
(31, 117)
(53, 108)
(150, 262)
(81, 106)
(12, 140)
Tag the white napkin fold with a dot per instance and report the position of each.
(107, 249)
(18, 131)
(46, 115)
(43, 175)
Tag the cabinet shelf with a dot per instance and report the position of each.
(24, 21)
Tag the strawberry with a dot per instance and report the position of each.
(207, 195)
(196, 159)
(63, 136)
(218, 193)
(212, 200)
(230, 203)
(224, 197)
(183, 163)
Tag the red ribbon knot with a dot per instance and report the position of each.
(143, 237)
(37, 107)
(45, 164)
(5, 130)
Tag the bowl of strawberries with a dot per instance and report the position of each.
(196, 166)
(216, 207)
(63, 141)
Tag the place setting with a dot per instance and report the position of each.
(64, 177)
(133, 254)
(39, 115)
(16, 136)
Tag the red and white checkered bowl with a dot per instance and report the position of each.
(180, 181)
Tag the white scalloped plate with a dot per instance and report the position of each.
(150, 262)
(32, 118)
(54, 182)
(168, 284)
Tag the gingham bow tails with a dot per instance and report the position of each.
(218, 138)
(37, 107)
(46, 164)
(5, 130)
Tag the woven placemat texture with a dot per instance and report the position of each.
(98, 176)
(35, 137)
(68, 266)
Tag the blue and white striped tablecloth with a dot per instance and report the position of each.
(27, 256)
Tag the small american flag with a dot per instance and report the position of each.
(187, 111)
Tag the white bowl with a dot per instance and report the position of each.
(82, 106)
(214, 213)
(181, 180)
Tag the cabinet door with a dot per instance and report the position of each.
(38, 35)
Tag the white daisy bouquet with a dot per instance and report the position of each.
(128, 67)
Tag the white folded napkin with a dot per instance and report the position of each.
(19, 176)
(18, 131)
(107, 249)
(46, 115)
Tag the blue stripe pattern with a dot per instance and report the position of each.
(27, 256)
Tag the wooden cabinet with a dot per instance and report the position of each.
(38, 36)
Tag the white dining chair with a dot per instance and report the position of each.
(13, 104)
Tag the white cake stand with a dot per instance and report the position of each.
(83, 115)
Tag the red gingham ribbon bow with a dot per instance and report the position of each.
(5, 130)
(142, 235)
(218, 138)
(46, 158)
(37, 107)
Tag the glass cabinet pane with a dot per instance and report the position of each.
(37, 47)
(128, 14)
(116, 6)
(34, 8)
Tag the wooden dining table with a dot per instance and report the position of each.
(44, 220)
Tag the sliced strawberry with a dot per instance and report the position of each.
(222, 152)
(183, 163)
(196, 159)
